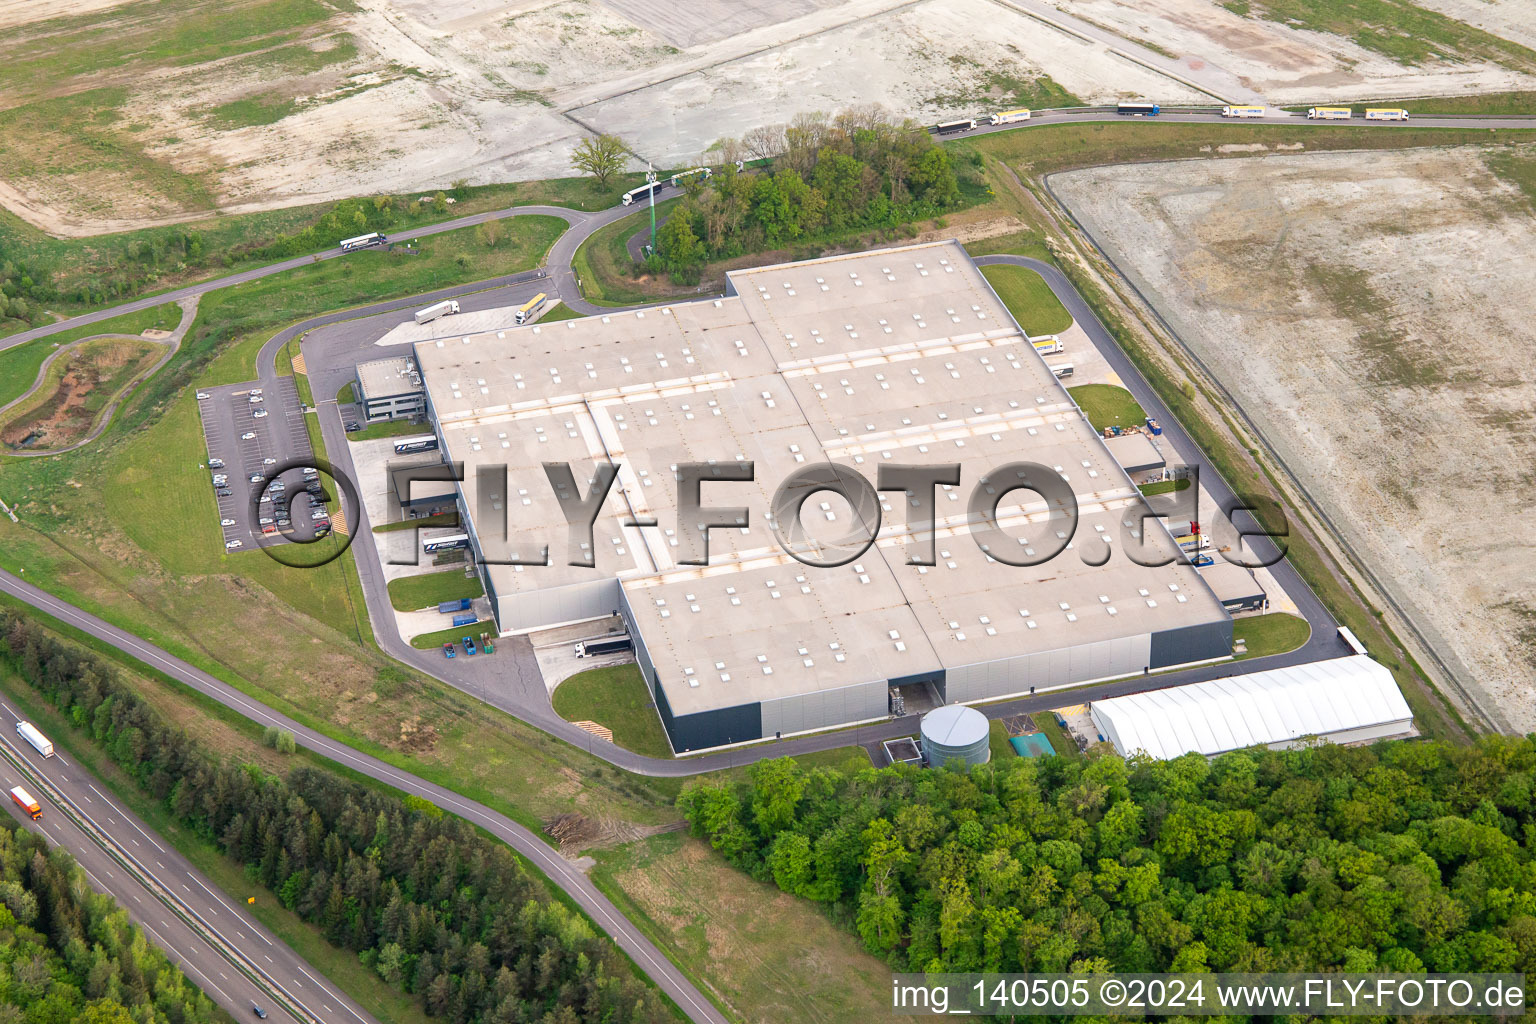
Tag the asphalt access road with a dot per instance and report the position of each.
(562, 872)
(584, 224)
(204, 965)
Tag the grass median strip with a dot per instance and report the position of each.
(408, 593)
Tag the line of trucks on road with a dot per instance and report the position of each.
(44, 746)
(1146, 109)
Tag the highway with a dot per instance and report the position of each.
(188, 918)
(562, 872)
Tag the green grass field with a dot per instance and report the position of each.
(387, 428)
(560, 312)
(452, 635)
(1164, 486)
(765, 955)
(618, 698)
(19, 366)
(1029, 299)
(428, 522)
(997, 742)
(1108, 406)
(409, 593)
(1275, 633)
(1406, 32)
(1045, 724)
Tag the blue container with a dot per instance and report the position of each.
(1155, 427)
(464, 620)
(462, 604)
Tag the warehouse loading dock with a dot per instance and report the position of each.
(1138, 456)
(901, 355)
(1234, 586)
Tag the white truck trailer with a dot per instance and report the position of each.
(39, 742)
(1009, 116)
(436, 310)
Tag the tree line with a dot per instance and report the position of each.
(71, 956)
(436, 909)
(817, 178)
(1404, 857)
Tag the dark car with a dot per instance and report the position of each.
(351, 428)
(258, 1011)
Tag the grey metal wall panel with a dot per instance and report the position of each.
(525, 610)
(1200, 642)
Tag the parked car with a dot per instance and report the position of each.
(249, 435)
(257, 478)
(319, 513)
(269, 461)
(259, 413)
(201, 395)
(254, 399)
(265, 521)
(448, 650)
(220, 478)
(268, 530)
(223, 492)
(226, 522)
(230, 545)
(469, 645)
(215, 463)
(284, 521)
(352, 428)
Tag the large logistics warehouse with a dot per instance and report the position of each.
(1342, 700)
(901, 356)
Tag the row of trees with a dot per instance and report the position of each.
(824, 178)
(431, 905)
(1405, 856)
(71, 956)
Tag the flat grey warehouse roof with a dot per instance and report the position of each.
(383, 378)
(895, 356)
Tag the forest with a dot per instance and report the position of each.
(816, 178)
(71, 956)
(1406, 856)
(434, 907)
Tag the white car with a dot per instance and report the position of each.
(230, 545)
(269, 462)
(255, 391)
(265, 522)
(254, 399)
(201, 395)
(249, 435)
(226, 522)
(259, 413)
(257, 478)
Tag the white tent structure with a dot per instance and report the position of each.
(1344, 700)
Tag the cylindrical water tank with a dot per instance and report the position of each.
(955, 733)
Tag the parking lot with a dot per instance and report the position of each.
(251, 432)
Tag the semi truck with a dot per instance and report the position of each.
(1137, 109)
(39, 742)
(603, 645)
(363, 241)
(681, 176)
(1047, 345)
(459, 605)
(954, 127)
(1386, 114)
(1010, 116)
(526, 310)
(437, 309)
(1242, 111)
(1330, 113)
(425, 443)
(25, 802)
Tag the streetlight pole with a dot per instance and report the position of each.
(650, 178)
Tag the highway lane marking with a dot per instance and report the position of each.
(207, 683)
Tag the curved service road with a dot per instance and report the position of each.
(559, 870)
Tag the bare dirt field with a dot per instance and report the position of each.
(87, 378)
(1287, 64)
(131, 114)
(1370, 314)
